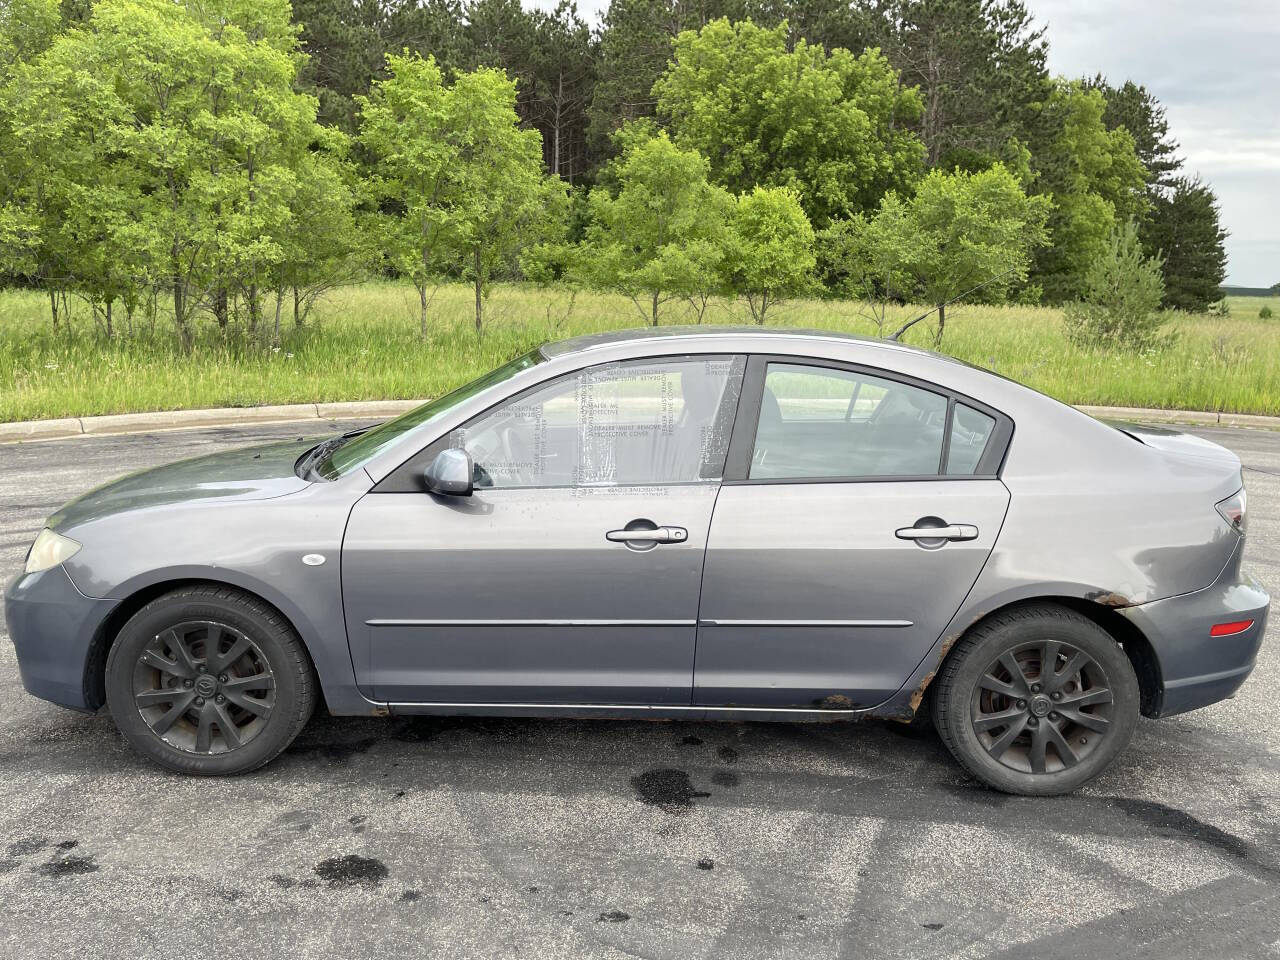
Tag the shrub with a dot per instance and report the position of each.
(1121, 303)
(1265, 313)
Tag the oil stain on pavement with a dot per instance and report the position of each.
(351, 871)
(671, 790)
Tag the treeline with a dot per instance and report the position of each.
(237, 158)
(979, 66)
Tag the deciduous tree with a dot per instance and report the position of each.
(959, 232)
(403, 128)
(1096, 181)
(326, 247)
(172, 136)
(831, 127)
(770, 254)
(457, 183)
(499, 202)
(27, 28)
(658, 227)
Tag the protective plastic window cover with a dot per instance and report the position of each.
(632, 423)
(363, 448)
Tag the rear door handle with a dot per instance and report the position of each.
(655, 535)
(952, 531)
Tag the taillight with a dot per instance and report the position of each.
(1233, 510)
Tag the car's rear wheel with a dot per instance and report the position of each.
(210, 681)
(1036, 700)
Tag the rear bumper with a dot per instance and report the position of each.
(52, 625)
(1197, 669)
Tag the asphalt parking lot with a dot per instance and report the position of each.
(537, 838)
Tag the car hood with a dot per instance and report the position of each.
(251, 473)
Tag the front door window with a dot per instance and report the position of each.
(642, 423)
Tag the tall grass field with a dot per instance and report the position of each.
(363, 343)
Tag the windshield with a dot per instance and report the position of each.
(360, 449)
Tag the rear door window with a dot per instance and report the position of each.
(820, 422)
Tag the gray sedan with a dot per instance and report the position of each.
(703, 523)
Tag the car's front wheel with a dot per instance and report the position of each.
(1036, 700)
(208, 680)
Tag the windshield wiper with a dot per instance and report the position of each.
(305, 467)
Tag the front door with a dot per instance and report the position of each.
(572, 574)
(866, 510)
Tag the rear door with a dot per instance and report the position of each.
(857, 511)
(572, 574)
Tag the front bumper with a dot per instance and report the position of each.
(52, 625)
(1197, 669)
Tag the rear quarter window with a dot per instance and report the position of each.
(970, 433)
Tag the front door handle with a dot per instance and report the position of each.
(952, 531)
(652, 535)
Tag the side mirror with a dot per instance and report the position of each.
(450, 473)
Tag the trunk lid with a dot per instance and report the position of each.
(1178, 445)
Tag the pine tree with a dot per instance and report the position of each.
(1181, 223)
(980, 66)
(564, 77)
(1134, 107)
(1184, 228)
(1120, 300)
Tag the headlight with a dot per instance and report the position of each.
(49, 550)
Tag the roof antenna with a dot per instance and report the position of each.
(960, 296)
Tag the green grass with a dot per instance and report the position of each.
(362, 343)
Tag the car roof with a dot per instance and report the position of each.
(641, 335)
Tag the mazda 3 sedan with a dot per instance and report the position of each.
(699, 524)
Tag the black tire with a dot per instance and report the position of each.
(1037, 733)
(186, 717)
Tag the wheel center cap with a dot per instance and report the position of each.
(1040, 705)
(207, 685)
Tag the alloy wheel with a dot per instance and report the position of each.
(203, 687)
(1042, 707)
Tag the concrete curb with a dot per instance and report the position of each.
(1203, 418)
(65, 428)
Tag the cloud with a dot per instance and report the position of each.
(1215, 69)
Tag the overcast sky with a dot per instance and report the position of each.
(1215, 65)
